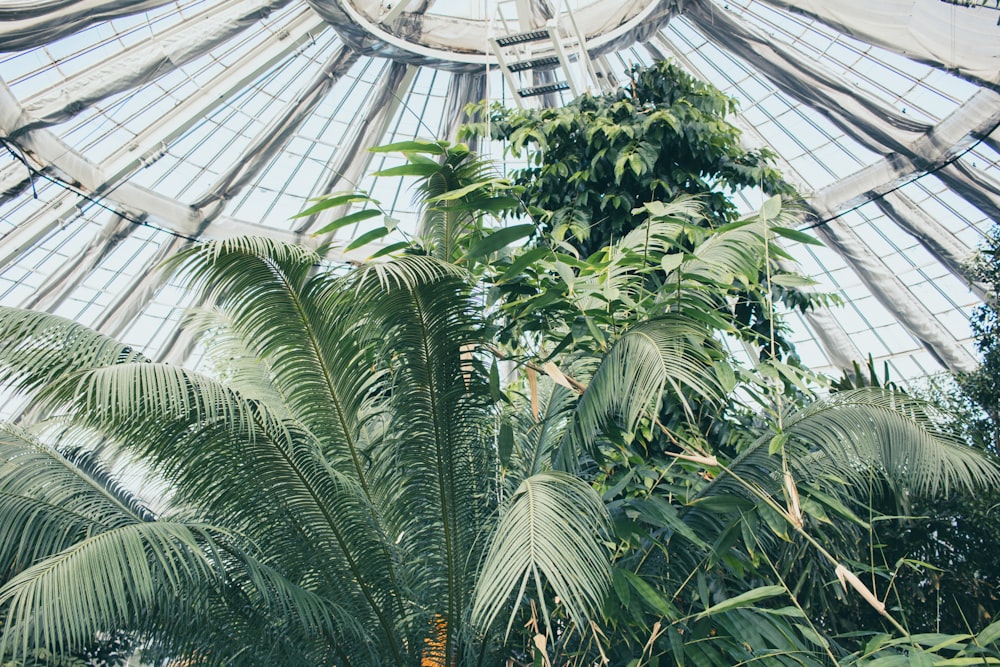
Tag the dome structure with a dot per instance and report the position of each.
(135, 127)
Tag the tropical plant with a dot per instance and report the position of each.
(332, 499)
(979, 388)
(354, 484)
(599, 166)
(954, 538)
(592, 162)
(593, 334)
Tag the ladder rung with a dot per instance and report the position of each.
(543, 89)
(522, 37)
(534, 63)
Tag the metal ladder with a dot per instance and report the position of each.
(559, 47)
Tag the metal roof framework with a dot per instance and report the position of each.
(136, 127)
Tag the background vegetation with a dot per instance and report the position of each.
(524, 442)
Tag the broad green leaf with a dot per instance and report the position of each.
(837, 507)
(522, 262)
(495, 380)
(877, 642)
(458, 193)
(499, 239)
(722, 504)
(620, 583)
(890, 661)
(813, 636)
(382, 252)
(989, 634)
(949, 640)
(745, 599)
(350, 219)
(413, 169)
(777, 443)
(789, 611)
(796, 235)
(566, 273)
(776, 522)
(791, 280)
(653, 599)
(367, 237)
(333, 202)
(415, 146)
(658, 512)
(771, 208)
(505, 443)
(671, 261)
(923, 659)
(815, 510)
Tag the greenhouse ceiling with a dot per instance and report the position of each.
(132, 128)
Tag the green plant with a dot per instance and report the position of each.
(332, 499)
(355, 485)
(593, 161)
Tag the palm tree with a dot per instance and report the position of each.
(350, 485)
(330, 498)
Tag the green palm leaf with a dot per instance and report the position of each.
(192, 430)
(856, 434)
(672, 353)
(551, 532)
(52, 499)
(893, 434)
(437, 456)
(37, 348)
(536, 440)
(106, 581)
(286, 314)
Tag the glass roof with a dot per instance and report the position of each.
(151, 124)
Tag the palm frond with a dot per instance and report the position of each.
(536, 440)
(37, 348)
(287, 315)
(672, 353)
(49, 501)
(858, 434)
(551, 531)
(407, 272)
(445, 221)
(437, 454)
(895, 435)
(728, 255)
(106, 581)
(231, 359)
(279, 487)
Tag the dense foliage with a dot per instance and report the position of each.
(471, 453)
(981, 386)
(956, 537)
(593, 161)
(598, 167)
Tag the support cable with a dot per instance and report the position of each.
(33, 174)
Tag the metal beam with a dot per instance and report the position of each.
(149, 143)
(46, 152)
(933, 236)
(274, 136)
(897, 298)
(954, 134)
(25, 25)
(352, 162)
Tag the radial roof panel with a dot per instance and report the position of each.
(148, 125)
